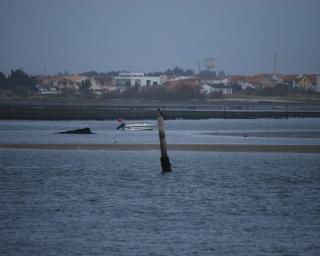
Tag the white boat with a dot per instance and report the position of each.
(138, 127)
(135, 127)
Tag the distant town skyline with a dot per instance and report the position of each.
(148, 35)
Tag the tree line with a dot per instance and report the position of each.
(169, 72)
(18, 83)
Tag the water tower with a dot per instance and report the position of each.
(209, 63)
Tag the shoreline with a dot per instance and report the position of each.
(172, 147)
(131, 110)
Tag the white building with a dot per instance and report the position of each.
(224, 81)
(216, 88)
(127, 80)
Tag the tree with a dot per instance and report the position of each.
(3, 81)
(221, 73)
(206, 74)
(85, 87)
(158, 92)
(179, 72)
(21, 83)
(131, 92)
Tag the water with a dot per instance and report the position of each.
(214, 131)
(79, 202)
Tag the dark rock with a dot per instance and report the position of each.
(78, 131)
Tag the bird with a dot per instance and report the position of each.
(160, 113)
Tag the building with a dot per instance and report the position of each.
(291, 80)
(237, 79)
(56, 84)
(308, 82)
(107, 83)
(263, 81)
(217, 80)
(216, 88)
(127, 80)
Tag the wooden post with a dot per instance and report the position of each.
(165, 163)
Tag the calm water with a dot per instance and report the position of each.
(260, 131)
(78, 202)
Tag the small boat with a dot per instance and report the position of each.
(138, 127)
(134, 127)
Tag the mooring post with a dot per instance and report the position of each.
(165, 163)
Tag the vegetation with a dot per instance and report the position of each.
(84, 88)
(100, 74)
(278, 91)
(206, 74)
(169, 72)
(179, 72)
(163, 92)
(18, 83)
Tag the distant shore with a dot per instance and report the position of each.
(172, 147)
(133, 109)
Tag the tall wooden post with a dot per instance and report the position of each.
(165, 163)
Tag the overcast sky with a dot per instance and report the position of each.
(153, 35)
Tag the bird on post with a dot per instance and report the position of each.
(160, 113)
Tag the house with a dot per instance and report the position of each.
(178, 78)
(217, 80)
(309, 83)
(46, 85)
(291, 80)
(127, 80)
(263, 81)
(75, 82)
(56, 84)
(237, 79)
(259, 81)
(216, 88)
(107, 83)
(246, 85)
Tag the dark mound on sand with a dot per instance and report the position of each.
(78, 131)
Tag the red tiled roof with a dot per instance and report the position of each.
(237, 78)
(290, 78)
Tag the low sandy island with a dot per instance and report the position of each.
(173, 147)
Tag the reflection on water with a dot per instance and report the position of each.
(118, 203)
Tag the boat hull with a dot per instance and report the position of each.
(138, 127)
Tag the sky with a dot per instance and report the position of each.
(51, 36)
